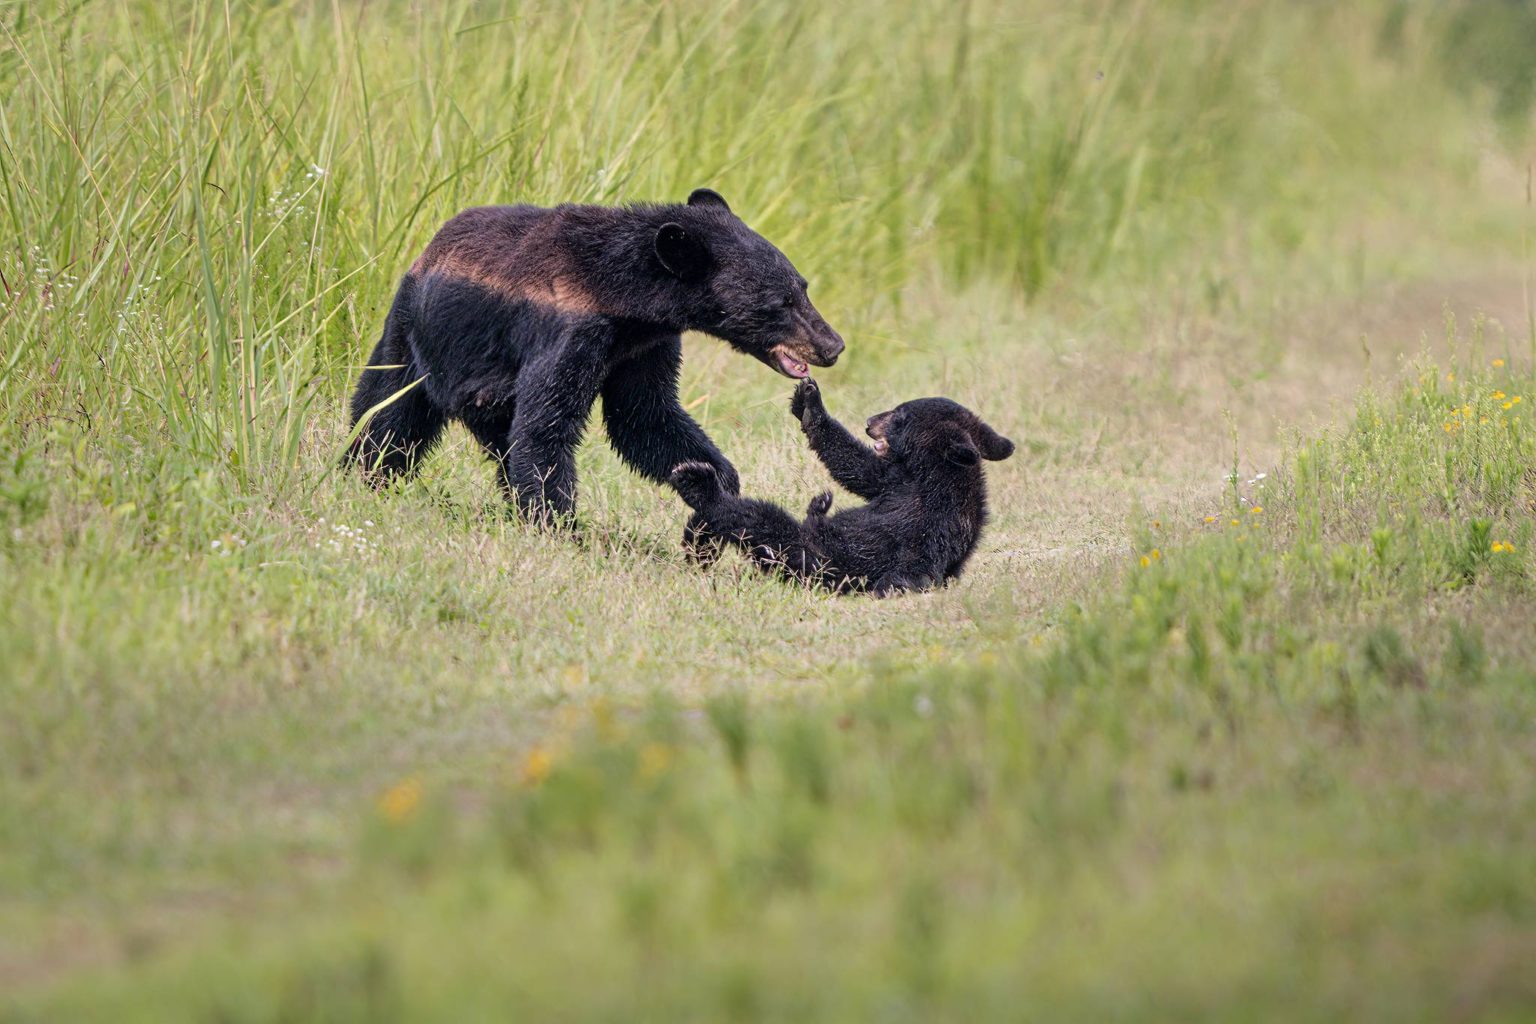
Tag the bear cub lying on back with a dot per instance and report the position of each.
(922, 479)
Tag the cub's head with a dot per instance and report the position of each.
(935, 434)
(745, 291)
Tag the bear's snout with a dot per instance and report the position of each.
(828, 345)
(817, 346)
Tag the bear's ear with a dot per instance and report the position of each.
(993, 446)
(683, 255)
(707, 197)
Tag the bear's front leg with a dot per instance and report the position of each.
(652, 432)
(646, 423)
(555, 392)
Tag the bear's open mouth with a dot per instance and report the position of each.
(789, 364)
(881, 446)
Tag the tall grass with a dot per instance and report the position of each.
(211, 203)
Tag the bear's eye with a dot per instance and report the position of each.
(787, 301)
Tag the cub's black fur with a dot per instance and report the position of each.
(517, 318)
(923, 480)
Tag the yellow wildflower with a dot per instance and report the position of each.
(1498, 362)
(1510, 404)
(603, 718)
(1516, 399)
(1156, 555)
(1257, 510)
(655, 758)
(537, 765)
(400, 801)
(1450, 377)
(1236, 521)
(1145, 561)
(1499, 394)
(1210, 519)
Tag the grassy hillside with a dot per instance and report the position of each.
(277, 747)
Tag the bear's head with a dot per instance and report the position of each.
(935, 434)
(744, 290)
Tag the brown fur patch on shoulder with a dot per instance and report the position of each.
(564, 296)
(559, 294)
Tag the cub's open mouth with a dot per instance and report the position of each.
(788, 364)
(875, 428)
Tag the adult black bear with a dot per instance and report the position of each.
(516, 318)
(923, 480)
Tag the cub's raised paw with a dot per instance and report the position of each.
(819, 505)
(697, 482)
(805, 404)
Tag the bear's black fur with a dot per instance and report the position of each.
(923, 480)
(515, 319)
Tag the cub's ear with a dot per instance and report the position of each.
(707, 197)
(683, 255)
(962, 452)
(992, 445)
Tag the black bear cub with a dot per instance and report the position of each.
(923, 480)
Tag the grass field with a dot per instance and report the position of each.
(1233, 717)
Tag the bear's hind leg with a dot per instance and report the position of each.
(772, 537)
(404, 424)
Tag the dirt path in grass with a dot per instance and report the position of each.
(1166, 420)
